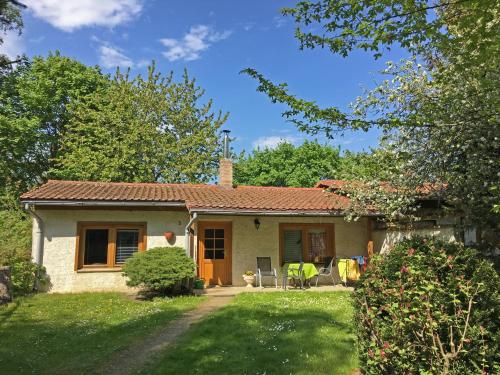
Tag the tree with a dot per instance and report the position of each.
(438, 110)
(10, 20)
(34, 98)
(364, 166)
(287, 165)
(141, 130)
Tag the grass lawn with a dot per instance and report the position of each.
(74, 333)
(268, 333)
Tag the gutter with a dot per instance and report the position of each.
(187, 233)
(38, 237)
(273, 213)
(102, 203)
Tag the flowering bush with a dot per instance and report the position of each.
(428, 307)
(158, 270)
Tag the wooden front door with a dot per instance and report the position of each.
(214, 252)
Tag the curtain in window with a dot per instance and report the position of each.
(317, 246)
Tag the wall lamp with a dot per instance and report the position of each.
(256, 223)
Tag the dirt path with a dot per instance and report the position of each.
(135, 357)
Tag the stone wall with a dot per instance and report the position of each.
(5, 285)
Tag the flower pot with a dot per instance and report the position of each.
(169, 236)
(249, 280)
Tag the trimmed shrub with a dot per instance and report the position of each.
(428, 307)
(159, 270)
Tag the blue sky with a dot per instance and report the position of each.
(214, 40)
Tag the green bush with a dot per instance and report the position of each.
(15, 236)
(428, 307)
(159, 270)
(27, 276)
(15, 251)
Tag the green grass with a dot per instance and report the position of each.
(75, 333)
(268, 333)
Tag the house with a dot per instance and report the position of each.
(83, 231)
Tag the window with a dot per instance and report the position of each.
(214, 243)
(127, 243)
(108, 245)
(307, 242)
(317, 250)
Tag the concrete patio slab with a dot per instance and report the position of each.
(234, 290)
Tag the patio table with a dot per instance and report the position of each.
(309, 269)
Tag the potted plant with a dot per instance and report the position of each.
(169, 236)
(249, 278)
(198, 286)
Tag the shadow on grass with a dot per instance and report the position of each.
(10, 309)
(74, 334)
(253, 336)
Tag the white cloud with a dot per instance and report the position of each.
(13, 45)
(273, 141)
(189, 47)
(248, 26)
(279, 21)
(143, 63)
(111, 57)
(74, 14)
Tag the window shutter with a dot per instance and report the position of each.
(293, 246)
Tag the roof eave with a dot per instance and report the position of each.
(240, 212)
(93, 203)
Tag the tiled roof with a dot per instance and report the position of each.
(211, 197)
(425, 190)
(334, 184)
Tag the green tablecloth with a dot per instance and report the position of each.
(309, 269)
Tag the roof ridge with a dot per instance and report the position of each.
(277, 187)
(129, 183)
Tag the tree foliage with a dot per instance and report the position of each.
(141, 130)
(10, 20)
(34, 98)
(375, 165)
(438, 109)
(287, 165)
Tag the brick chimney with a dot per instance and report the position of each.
(226, 165)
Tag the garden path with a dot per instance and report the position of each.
(135, 357)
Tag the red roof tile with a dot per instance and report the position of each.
(194, 196)
(426, 189)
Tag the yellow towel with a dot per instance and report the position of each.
(348, 269)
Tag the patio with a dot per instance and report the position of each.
(217, 291)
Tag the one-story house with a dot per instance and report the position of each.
(84, 231)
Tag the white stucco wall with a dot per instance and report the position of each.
(249, 243)
(385, 239)
(60, 227)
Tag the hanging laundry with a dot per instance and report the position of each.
(348, 269)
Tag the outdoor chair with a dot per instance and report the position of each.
(264, 269)
(294, 275)
(326, 270)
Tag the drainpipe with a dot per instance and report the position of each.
(187, 234)
(38, 236)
